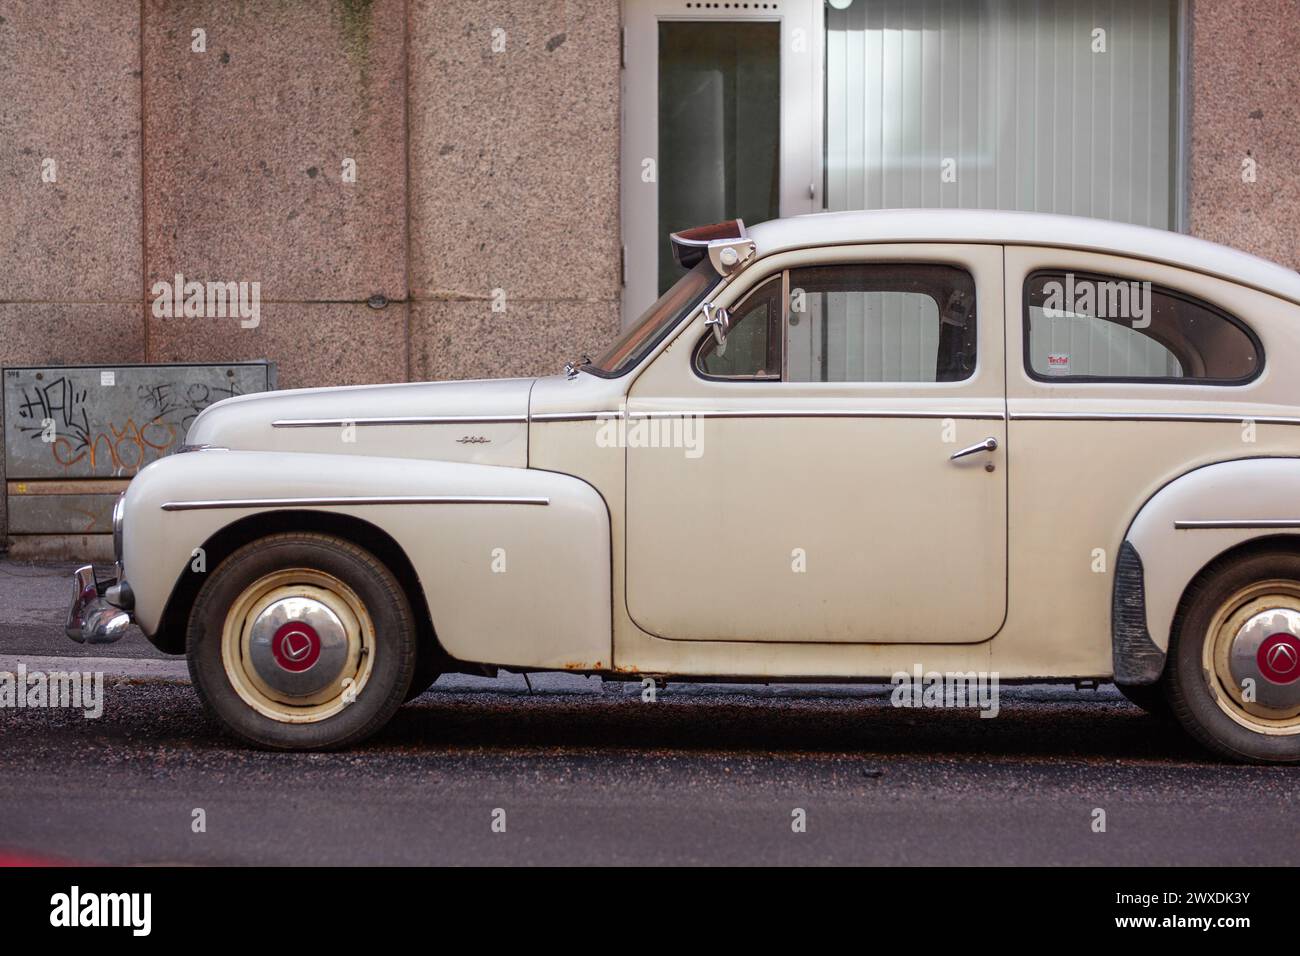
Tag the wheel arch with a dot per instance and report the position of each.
(225, 541)
(1276, 541)
(1192, 523)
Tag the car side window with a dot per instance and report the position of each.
(752, 348)
(881, 322)
(1089, 327)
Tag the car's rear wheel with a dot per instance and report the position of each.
(1234, 673)
(301, 642)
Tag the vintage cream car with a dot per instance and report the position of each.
(841, 447)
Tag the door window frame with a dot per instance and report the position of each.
(759, 288)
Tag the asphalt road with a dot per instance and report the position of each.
(588, 773)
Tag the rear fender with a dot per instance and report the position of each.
(1181, 529)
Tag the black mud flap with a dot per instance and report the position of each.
(1137, 659)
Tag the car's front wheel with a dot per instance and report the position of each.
(1234, 672)
(301, 641)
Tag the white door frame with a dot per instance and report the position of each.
(802, 42)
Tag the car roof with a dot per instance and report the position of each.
(1025, 228)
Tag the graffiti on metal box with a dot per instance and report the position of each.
(58, 414)
(72, 423)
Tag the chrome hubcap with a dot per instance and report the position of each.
(298, 646)
(1265, 653)
(1251, 657)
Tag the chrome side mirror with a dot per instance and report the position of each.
(719, 319)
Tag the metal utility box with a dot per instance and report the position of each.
(74, 436)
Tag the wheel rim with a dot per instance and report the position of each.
(1251, 657)
(298, 645)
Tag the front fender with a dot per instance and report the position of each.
(1197, 517)
(514, 563)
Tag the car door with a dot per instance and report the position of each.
(807, 484)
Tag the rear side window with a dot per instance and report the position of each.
(1088, 327)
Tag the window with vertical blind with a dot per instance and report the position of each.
(880, 322)
(1065, 106)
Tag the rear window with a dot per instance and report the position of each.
(1089, 327)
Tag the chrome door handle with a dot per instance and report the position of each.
(988, 444)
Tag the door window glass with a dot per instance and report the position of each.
(1087, 326)
(881, 322)
(752, 349)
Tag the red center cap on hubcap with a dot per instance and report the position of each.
(296, 646)
(1279, 658)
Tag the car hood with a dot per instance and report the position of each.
(477, 421)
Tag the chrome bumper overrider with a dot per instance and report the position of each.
(93, 620)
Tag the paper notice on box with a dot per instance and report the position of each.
(107, 377)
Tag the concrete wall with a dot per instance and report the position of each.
(477, 170)
(517, 184)
(485, 138)
(1245, 103)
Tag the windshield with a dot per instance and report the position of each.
(646, 332)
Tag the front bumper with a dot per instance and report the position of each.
(93, 619)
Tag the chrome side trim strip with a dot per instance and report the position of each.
(1235, 523)
(770, 413)
(826, 413)
(184, 449)
(405, 420)
(588, 416)
(573, 416)
(204, 505)
(1149, 417)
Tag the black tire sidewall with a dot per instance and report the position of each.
(1150, 697)
(389, 610)
(1189, 692)
(425, 675)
